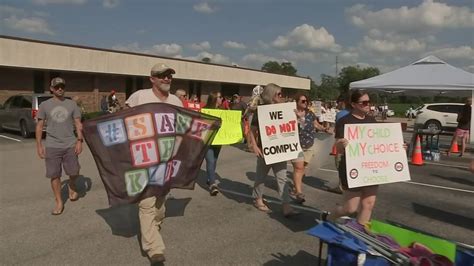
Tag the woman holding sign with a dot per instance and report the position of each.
(308, 124)
(271, 95)
(360, 199)
(214, 101)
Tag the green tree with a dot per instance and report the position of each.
(329, 88)
(206, 60)
(354, 73)
(285, 68)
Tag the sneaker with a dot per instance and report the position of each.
(213, 190)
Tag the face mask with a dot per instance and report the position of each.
(165, 87)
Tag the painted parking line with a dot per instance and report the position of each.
(421, 184)
(435, 186)
(5, 137)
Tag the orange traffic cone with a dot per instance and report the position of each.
(417, 156)
(334, 150)
(454, 148)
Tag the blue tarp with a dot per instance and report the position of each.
(343, 247)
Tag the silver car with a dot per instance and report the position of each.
(18, 113)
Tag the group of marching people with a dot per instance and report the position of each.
(355, 110)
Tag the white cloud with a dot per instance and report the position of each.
(167, 50)
(201, 46)
(172, 49)
(205, 8)
(110, 3)
(428, 15)
(47, 2)
(215, 58)
(233, 45)
(461, 52)
(384, 46)
(20, 20)
(300, 56)
(306, 36)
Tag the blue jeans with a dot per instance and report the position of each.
(211, 163)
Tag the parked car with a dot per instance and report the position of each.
(18, 113)
(438, 116)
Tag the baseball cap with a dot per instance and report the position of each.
(56, 81)
(161, 68)
(235, 95)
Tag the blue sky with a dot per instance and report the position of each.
(308, 33)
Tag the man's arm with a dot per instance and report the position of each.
(80, 137)
(39, 136)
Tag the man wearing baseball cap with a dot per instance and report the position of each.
(62, 146)
(152, 210)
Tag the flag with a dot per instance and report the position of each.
(147, 150)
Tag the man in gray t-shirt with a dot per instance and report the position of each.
(61, 147)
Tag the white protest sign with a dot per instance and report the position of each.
(317, 108)
(278, 128)
(330, 116)
(375, 154)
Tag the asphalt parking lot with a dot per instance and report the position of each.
(204, 230)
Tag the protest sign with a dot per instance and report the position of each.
(317, 108)
(231, 128)
(278, 128)
(330, 116)
(147, 150)
(375, 154)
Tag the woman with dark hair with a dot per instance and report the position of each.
(214, 101)
(362, 198)
(308, 124)
(464, 125)
(271, 94)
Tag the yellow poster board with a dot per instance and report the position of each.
(231, 128)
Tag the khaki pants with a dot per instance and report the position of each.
(151, 214)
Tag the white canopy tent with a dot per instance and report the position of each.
(429, 75)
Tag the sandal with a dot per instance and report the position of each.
(262, 208)
(299, 198)
(73, 195)
(55, 212)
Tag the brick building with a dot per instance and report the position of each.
(27, 66)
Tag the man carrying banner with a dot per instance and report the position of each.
(152, 210)
(61, 147)
(271, 94)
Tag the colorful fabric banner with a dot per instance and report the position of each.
(278, 128)
(375, 154)
(231, 128)
(147, 150)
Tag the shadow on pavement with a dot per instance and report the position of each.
(301, 258)
(455, 179)
(122, 219)
(444, 216)
(83, 185)
(316, 182)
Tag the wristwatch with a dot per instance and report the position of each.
(80, 140)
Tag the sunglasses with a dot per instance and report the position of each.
(303, 101)
(163, 76)
(364, 103)
(59, 87)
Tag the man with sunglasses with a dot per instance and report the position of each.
(62, 146)
(151, 210)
